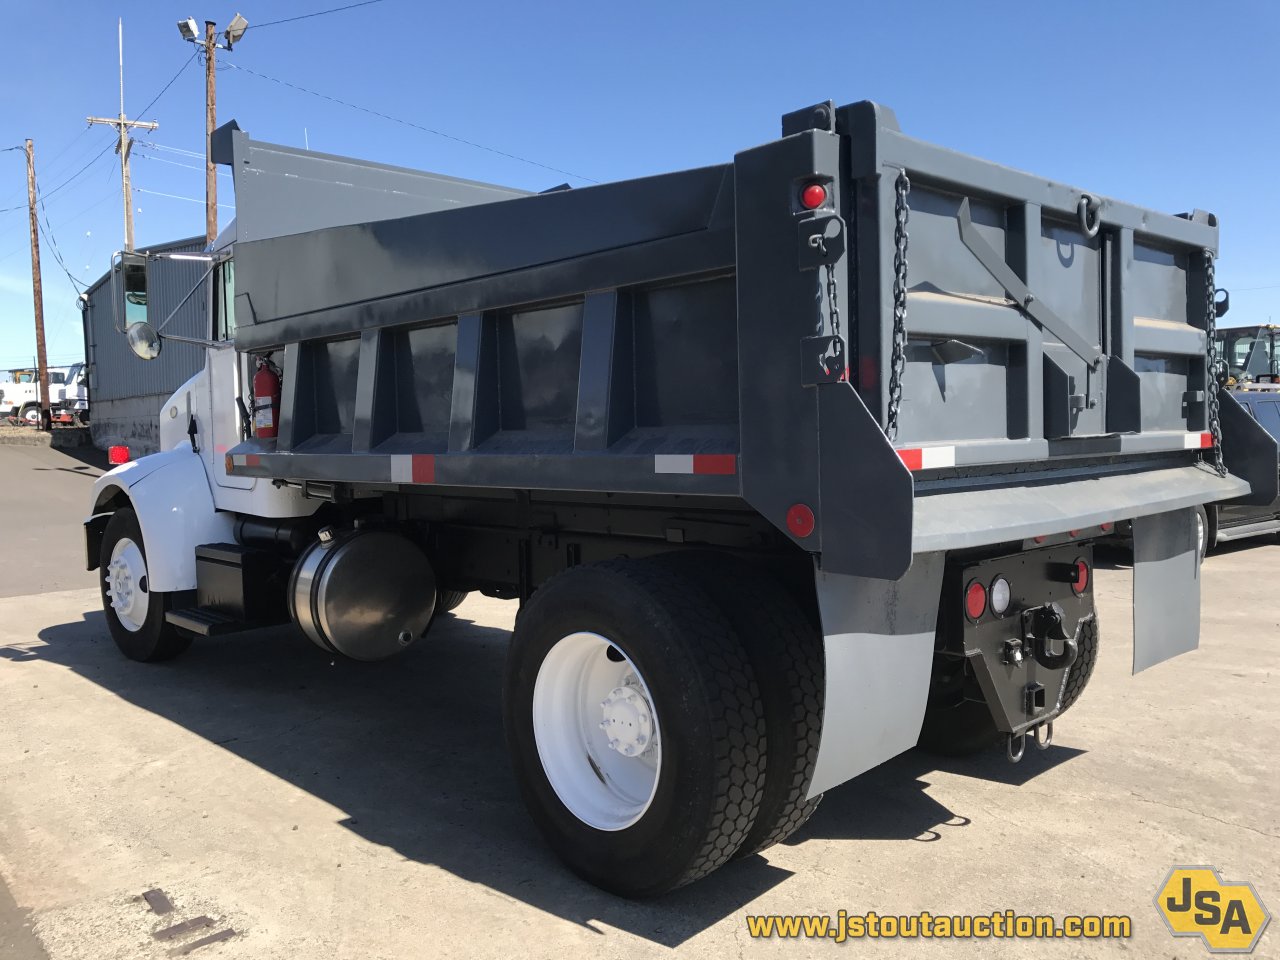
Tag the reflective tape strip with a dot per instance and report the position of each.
(928, 458)
(722, 464)
(413, 468)
(245, 460)
(1197, 441)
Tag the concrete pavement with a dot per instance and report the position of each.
(333, 809)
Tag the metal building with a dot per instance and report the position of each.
(126, 393)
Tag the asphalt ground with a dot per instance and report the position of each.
(325, 808)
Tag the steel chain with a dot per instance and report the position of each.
(1211, 332)
(898, 358)
(833, 308)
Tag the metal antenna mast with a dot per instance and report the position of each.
(123, 125)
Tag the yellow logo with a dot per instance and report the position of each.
(1228, 916)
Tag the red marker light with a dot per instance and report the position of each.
(813, 196)
(800, 520)
(117, 455)
(1081, 583)
(975, 600)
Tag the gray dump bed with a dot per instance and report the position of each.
(706, 333)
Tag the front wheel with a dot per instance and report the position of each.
(635, 727)
(135, 614)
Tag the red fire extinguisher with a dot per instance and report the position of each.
(266, 399)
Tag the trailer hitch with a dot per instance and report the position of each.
(1042, 627)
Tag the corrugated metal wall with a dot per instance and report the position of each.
(114, 372)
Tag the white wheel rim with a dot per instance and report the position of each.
(127, 589)
(32, 416)
(597, 732)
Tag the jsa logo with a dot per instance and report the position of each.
(1196, 901)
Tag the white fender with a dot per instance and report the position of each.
(170, 494)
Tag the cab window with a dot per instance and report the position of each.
(135, 290)
(224, 301)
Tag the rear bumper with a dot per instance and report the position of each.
(955, 520)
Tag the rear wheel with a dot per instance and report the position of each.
(786, 654)
(635, 727)
(957, 727)
(135, 614)
(31, 414)
(449, 600)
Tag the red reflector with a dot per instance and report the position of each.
(1081, 583)
(813, 196)
(1073, 533)
(117, 455)
(1206, 441)
(1104, 527)
(723, 464)
(913, 459)
(1040, 539)
(975, 600)
(800, 520)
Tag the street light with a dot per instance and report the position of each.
(190, 31)
(235, 30)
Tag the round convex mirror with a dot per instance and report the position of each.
(143, 340)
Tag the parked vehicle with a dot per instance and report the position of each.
(21, 396)
(792, 462)
(1232, 520)
(1251, 354)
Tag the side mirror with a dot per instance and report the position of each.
(143, 340)
(1223, 304)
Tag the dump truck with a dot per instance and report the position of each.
(792, 463)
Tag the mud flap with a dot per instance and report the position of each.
(878, 637)
(1166, 587)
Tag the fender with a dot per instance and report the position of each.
(170, 493)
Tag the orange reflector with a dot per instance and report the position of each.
(117, 455)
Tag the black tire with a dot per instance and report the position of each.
(960, 728)
(710, 719)
(449, 600)
(156, 639)
(787, 656)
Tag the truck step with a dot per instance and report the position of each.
(204, 622)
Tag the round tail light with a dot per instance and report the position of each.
(1081, 583)
(975, 600)
(1001, 594)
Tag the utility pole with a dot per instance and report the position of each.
(210, 122)
(190, 31)
(124, 145)
(37, 294)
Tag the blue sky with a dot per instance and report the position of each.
(1165, 104)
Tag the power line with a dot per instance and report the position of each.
(165, 89)
(308, 16)
(47, 232)
(1270, 286)
(174, 163)
(174, 196)
(410, 123)
(99, 156)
